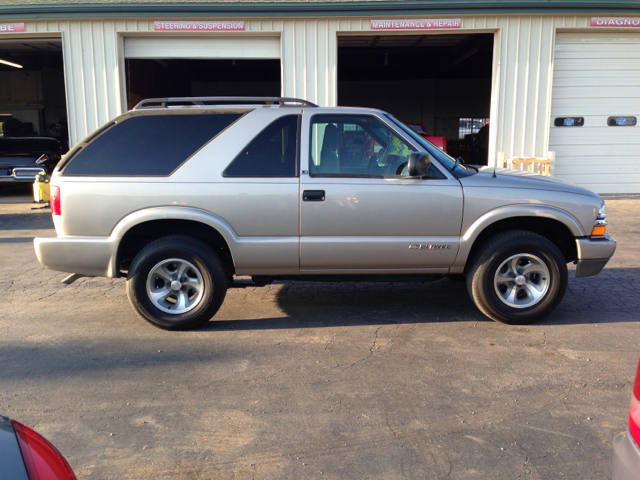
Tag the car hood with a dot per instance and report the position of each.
(17, 160)
(507, 178)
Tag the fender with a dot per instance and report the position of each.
(469, 237)
(174, 213)
(250, 255)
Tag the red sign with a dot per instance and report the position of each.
(614, 22)
(416, 24)
(211, 26)
(11, 27)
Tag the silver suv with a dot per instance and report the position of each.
(181, 194)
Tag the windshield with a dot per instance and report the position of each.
(441, 156)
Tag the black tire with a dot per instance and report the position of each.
(484, 266)
(187, 249)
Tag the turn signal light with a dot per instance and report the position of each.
(634, 410)
(42, 460)
(54, 200)
(598, 231)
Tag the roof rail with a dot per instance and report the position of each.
(210, 101)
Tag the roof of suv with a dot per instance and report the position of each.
(177, 102)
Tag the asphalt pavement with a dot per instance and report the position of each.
(318, 381)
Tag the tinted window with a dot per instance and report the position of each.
(272, 153)
(148, 144)
(353, 145)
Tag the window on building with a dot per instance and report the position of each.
(471, 126)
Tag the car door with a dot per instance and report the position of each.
(360, 212)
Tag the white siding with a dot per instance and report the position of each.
(597, 75)
(94, 51)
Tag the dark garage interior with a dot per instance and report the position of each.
(196, 78)
(442, 81)
(32, 91)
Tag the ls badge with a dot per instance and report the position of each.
(429, 247)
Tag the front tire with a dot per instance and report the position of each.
(517, 277)
(176, 283)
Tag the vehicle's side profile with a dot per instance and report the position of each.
(282, 189)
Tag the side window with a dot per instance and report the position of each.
(356, 145)
(272, 153)
(148, 145)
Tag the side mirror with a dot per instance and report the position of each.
(419, 163)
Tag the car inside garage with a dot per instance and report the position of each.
(32, 89)
(439, 83)
(201, 66)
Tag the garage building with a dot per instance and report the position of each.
(557, 80)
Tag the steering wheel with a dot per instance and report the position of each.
(374, 167)
(401, 167)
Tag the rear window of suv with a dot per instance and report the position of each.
(148, 145)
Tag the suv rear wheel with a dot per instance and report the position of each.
(176, 283)
(517, 277)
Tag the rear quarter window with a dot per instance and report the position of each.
(148, 145)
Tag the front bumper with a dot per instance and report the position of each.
(593, 254)
(89, 256)
(20, 174)
(626, 458)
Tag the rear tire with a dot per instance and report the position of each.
(176, 283)
(517, 277)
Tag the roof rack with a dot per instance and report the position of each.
(211, 101)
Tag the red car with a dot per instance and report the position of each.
(626, 450)
(27, 455)
(419, 128)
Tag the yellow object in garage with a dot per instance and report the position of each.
(41, 188)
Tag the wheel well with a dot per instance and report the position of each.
(142, 234)
(553, 230)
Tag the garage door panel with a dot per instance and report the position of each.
(597, 75)
(597, 38)
(605, 91)
(592, 121)
(202, 47)
(596, 169)
(603, 150)
(594, 64)
(603, 178)
(594, 106)
(611, 136)
(597, 79)
(629, 50)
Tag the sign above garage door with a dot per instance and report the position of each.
(197, 47)
(176, 26)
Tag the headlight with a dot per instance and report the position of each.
(600, 227)
(602, 213)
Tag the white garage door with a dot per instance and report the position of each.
(597, 76)
(202, 47)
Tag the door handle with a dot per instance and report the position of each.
(313, 196)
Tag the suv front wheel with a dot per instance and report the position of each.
(176, 283)
(517, 277)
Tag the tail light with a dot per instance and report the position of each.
(42, 460)
(43, 158)
(54, 200)
(634, 409)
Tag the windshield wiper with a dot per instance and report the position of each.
(458, 162)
